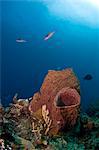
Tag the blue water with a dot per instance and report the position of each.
(24, 65)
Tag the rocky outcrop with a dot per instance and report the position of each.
(58, 101)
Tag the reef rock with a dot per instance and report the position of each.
(1, 118)
(58, 101)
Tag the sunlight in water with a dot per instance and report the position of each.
(94, 2)
(81, 11)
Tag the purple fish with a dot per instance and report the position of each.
(49, 35)
(19, 40)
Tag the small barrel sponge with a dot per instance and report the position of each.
(67, 102)
(67, 97)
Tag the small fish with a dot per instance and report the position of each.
(88, 77)
(19, 40)
(49, 35)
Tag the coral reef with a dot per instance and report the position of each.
(21, 130)
(65, 82)
(27, 123)
(1, 118)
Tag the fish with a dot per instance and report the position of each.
(19, 40)
(49, 35)
(88, 77)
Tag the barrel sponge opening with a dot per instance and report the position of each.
(67, 97)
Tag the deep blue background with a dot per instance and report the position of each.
(24, 65)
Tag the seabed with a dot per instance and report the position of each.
(16, 131)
